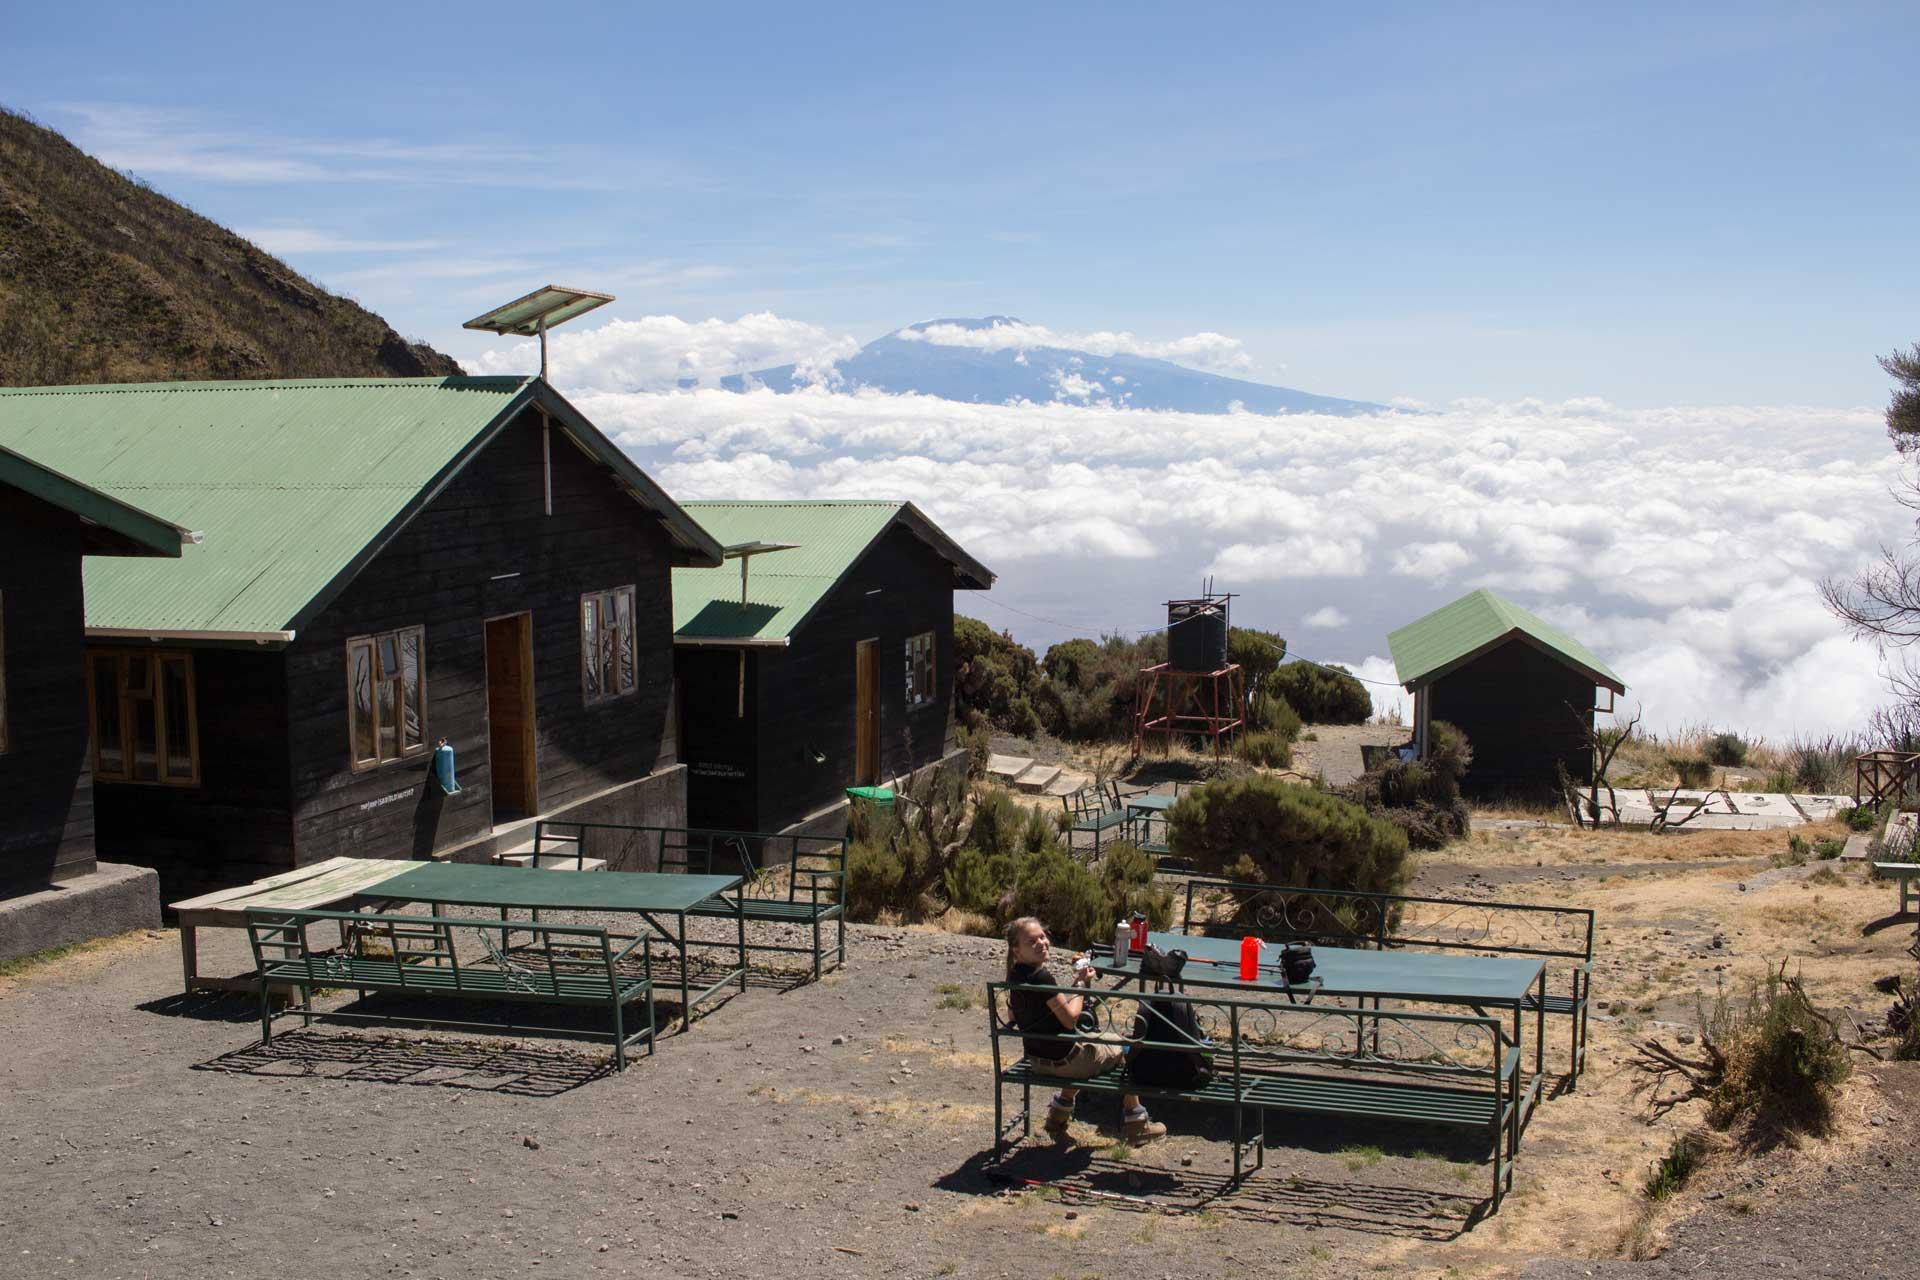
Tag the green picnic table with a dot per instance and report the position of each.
(1480, 983)
(651, 895)
(1905, 873)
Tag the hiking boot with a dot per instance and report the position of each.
(1058, 1118)
(1142, 1129)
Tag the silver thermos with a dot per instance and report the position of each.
(1122, 942)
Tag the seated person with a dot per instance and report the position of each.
(1057, 1013)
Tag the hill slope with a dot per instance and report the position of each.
(103, 279)
(1046, 374)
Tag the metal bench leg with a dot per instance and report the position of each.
(619, 1036)
(816, 948)
(653, 1022)
(266, 1012)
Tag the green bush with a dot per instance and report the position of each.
(1828, 849)
(1692, 771)
(1671, 1171)
(1421, 797)
(1780, 782)
(978, 880)
(1002, 824)
(1822, 765)
(1727, 750)
(1126, 881)
(1267, 748)
(1322, 695)
(996, 677)
(874, 874)
(1063, 895)
(1090, 686)
(1862, 817)
(1263, 829)
(1259, 654)
(1275, 714)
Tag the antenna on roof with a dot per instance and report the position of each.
(543, 309)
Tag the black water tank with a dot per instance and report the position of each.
(1197, 635)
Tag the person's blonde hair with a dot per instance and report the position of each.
(1015, 930)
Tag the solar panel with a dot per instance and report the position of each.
(540, 310)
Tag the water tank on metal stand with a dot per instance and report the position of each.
(1197, 634)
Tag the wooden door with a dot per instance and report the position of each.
(510, 741)
(866, 713)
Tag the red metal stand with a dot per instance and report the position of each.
(1205, 703)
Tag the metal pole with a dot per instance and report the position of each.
(542, 324)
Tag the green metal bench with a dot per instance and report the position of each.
(1089, 813)
(813, 869)
(420, 955)
(1420, 1068)
(1280, 913)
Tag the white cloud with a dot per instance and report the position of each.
(1207, 350)
(1435, 560)
(1326, 618)
(284, 240)
(658, 353)
(1699, 587)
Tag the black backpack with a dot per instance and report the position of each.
(1169, 1022)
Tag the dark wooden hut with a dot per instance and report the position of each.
(1523, 691)
(48, 524)
(387, 564)
(820, 657)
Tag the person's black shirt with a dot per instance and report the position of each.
(1030, 1012)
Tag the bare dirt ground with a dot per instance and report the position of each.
(839, 1128)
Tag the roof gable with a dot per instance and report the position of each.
(1455, 633)
(294, 484)
(111, 527)
(784, 587)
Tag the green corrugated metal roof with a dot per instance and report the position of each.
(783, 587)
(293, 484)
(1452, 632)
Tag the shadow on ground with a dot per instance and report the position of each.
(541, 1073)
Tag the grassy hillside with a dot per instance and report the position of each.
(103, 279)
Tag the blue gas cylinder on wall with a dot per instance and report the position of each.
(443, 768)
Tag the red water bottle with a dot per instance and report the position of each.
(1139, 923)
(1249, 958)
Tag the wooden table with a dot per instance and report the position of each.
(320, 887)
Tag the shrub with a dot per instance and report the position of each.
(1126, 881)
(1671, 1171)
(1782, 1061)
(874, 873)
(1267, 748)
(1275, 714)
(1323, 695)
(1862, 817)
(1259, 654)
(1266, 830)
(1780, 782)
(1090, 687)
(1822, 765)
(977, 880)
(1692, 771)
(1727, 750)
(1003, 825)
(1064, 895)
(997, 677)
(1828, 849)
(1421, 797)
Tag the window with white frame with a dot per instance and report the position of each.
(144, 725)
(920, 677)
(386, 696)
(606, 644)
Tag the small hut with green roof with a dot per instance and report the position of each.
(1522, 690)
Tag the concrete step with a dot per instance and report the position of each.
(1036, 778)
(1004, 769)
(524, 857)
(1857, 845)
(1066, 783)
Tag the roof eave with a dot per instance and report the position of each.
(1605, 680)
(119, 528)
(734, 642)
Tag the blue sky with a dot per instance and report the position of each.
(1671, 205)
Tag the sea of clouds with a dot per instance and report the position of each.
(1684, 544)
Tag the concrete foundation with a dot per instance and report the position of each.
(111, 899)
(657, 800)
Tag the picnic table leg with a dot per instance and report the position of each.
(189, 955)
(619, 1034)
(686, 1003)
(816, 948)
(1540, 1030)
(740, 921)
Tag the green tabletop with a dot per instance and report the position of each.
(1151, 803)
(479, 885)
(1344, 971)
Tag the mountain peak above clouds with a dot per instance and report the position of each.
(1002, 359)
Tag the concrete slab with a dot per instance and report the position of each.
(1818, 808)
(1036, 779)
(1067, 782)
(112, 899)
(1004, 769)
(1773, 804)
(1857, 846)
(551, 861)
